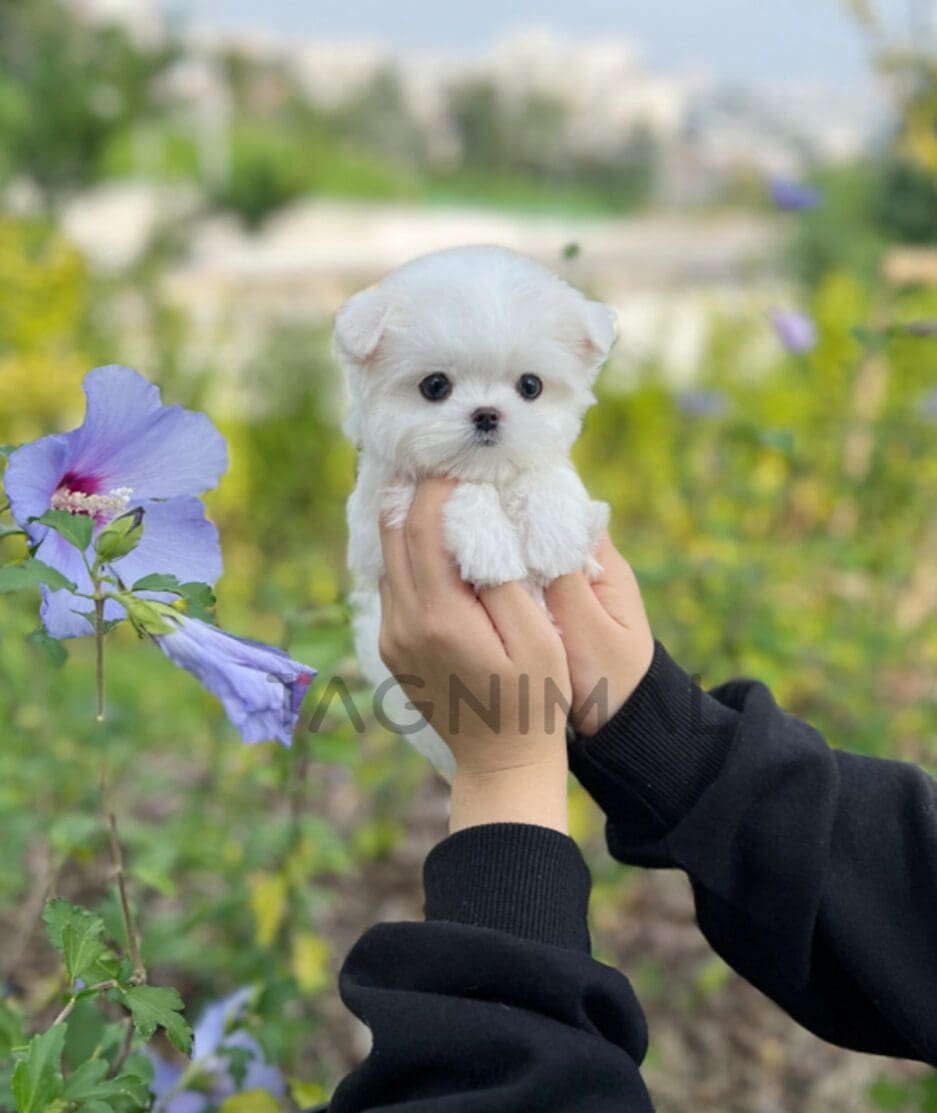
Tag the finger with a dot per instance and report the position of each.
(435, 575)
(568, 597)
(516, 616)
(615, 569)
(387, 600)
(617, 588)
(397, 568)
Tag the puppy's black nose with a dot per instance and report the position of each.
(486, 419)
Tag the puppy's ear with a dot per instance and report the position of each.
(588, 331)
(599, 331)
(359, 325)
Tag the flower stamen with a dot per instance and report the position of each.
(95, 506)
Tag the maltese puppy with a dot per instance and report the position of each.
(474, 363)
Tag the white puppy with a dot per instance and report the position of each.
(474, 363)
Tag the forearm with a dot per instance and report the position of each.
(814, 872)
(494, 1001)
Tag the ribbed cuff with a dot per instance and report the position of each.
(666, 745)
(527, 880)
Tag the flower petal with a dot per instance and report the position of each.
(260, 1075)
(794, 196)
(31, 478)
(796, 331)
(261, 688)
(178, 540)
(210, 1029)
(129, 439)
(61, 612)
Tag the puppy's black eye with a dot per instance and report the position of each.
(529, 387)
(436, 387)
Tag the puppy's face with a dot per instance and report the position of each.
(473, 362)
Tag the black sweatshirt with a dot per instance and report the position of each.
(814, 873)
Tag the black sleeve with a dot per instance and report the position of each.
(494, 1003)
(814, 871)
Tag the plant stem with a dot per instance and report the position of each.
(98, 988)
(99, 641)
(125, 1049)
(133, 939)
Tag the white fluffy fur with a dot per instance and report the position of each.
(484, 316)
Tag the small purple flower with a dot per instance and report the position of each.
(212, 1039)
(927, 406)
(796, 331)
(261, 688)
(793, 197)
(130, 452)
(702, 403)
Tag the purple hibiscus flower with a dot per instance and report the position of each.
(793, 196)
(796, 331)
(130, 452)
(261, 688)
(212, 1039)
(927, 406)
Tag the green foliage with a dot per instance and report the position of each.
(37, 1079)
(31, 573)
(74, 528)
(78, 934)
(66, 87)
(157, 1006)
(918, 1096)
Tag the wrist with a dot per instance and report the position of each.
(613, 683)
(532, 792)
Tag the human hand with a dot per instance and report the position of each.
(605, 631)
(488, 671)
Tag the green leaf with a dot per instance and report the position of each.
(52, 647)
(11, 1029)
(239, 1059)
(161, 1006)
(199, 595)
(30, 573)
(873, 340)
(75, 528)
(158, 582)
(37, 1080)
(780, 439)
(7, 450)
(90, 1086)
(77, 933)
(10, 531)
(199, 598)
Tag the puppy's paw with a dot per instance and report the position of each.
(592, 568)
(396, 500)
(598, 524)
(599, 513)
(553, 548)
(480, 537)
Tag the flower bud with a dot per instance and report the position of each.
(121, 536)
(148, 616)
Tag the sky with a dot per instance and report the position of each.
(746, 40)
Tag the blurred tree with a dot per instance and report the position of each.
(480, 124)
(66, 88)
(378, 118)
